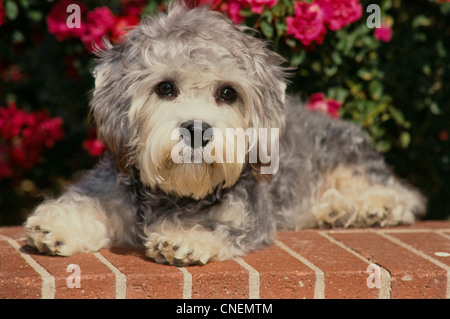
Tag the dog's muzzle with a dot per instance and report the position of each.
(200, 133)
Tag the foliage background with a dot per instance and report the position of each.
(399, 90)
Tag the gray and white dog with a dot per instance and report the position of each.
(193, 70)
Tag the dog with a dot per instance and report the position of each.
(177, 84)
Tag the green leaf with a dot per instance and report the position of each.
(330, 70)
(398, 117)
(405, 140)
(17, 37)
(421, 21)
(298, 58)
(364, 74)
(267, 29)
(338, 93)
(376, 89)
(35, 15)
(434, 108)
(336, 57)
(12, 10)
(383, 146)
(291, 43)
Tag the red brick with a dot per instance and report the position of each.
(225, 279)
(145, 279)
(428, 243)
(412, 276)
(345, 274)
(281, 275)
(95, 279)
(288, 269)
(17, 278)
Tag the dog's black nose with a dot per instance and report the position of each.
(197, 130)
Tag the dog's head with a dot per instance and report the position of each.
(167, 97)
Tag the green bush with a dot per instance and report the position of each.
(397, 88)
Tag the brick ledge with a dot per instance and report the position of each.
(400, 262)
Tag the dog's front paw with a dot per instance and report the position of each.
(64, 229)
(47, 231)
(185, 247)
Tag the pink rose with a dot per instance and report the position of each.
(339, 13)
(318, 102)
(24, 137)
(383, 33)
(257, 5)
(308, 24)
(99, 22)
(57, 21)
(234, 11)
(92, 145)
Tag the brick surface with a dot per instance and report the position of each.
(281, 275)
(412, 276)
(145, 279)
(345, 274)
(410, 262)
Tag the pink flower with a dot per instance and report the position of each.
(257, 5)
(339, 13)
(308, 24)
(92, 145)
(383, 33)
(234, 11)
(98, 23)
(24, 136)
(318, 102)
(57, 21)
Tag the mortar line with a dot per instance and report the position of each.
(421, 254)
(48, 281)
(121, 279)
(253, 278)
(187, 283)
(386, 280)
(319, 286)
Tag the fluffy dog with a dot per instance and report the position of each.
(194, 73)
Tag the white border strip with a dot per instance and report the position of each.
(443, 234)
(319, 287)
(421, 254)
(385, 280)
(253, 278)
(187, 283)
(121, 279)
(48, 281)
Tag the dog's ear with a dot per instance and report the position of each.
(268, 79)
(110, 104)
(268, 111)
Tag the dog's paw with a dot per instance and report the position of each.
(185, 248)
(57, 228)
(47, 231)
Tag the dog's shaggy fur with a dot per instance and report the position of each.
(197, 65)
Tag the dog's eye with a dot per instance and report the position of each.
(227, 94)
(166, 89)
